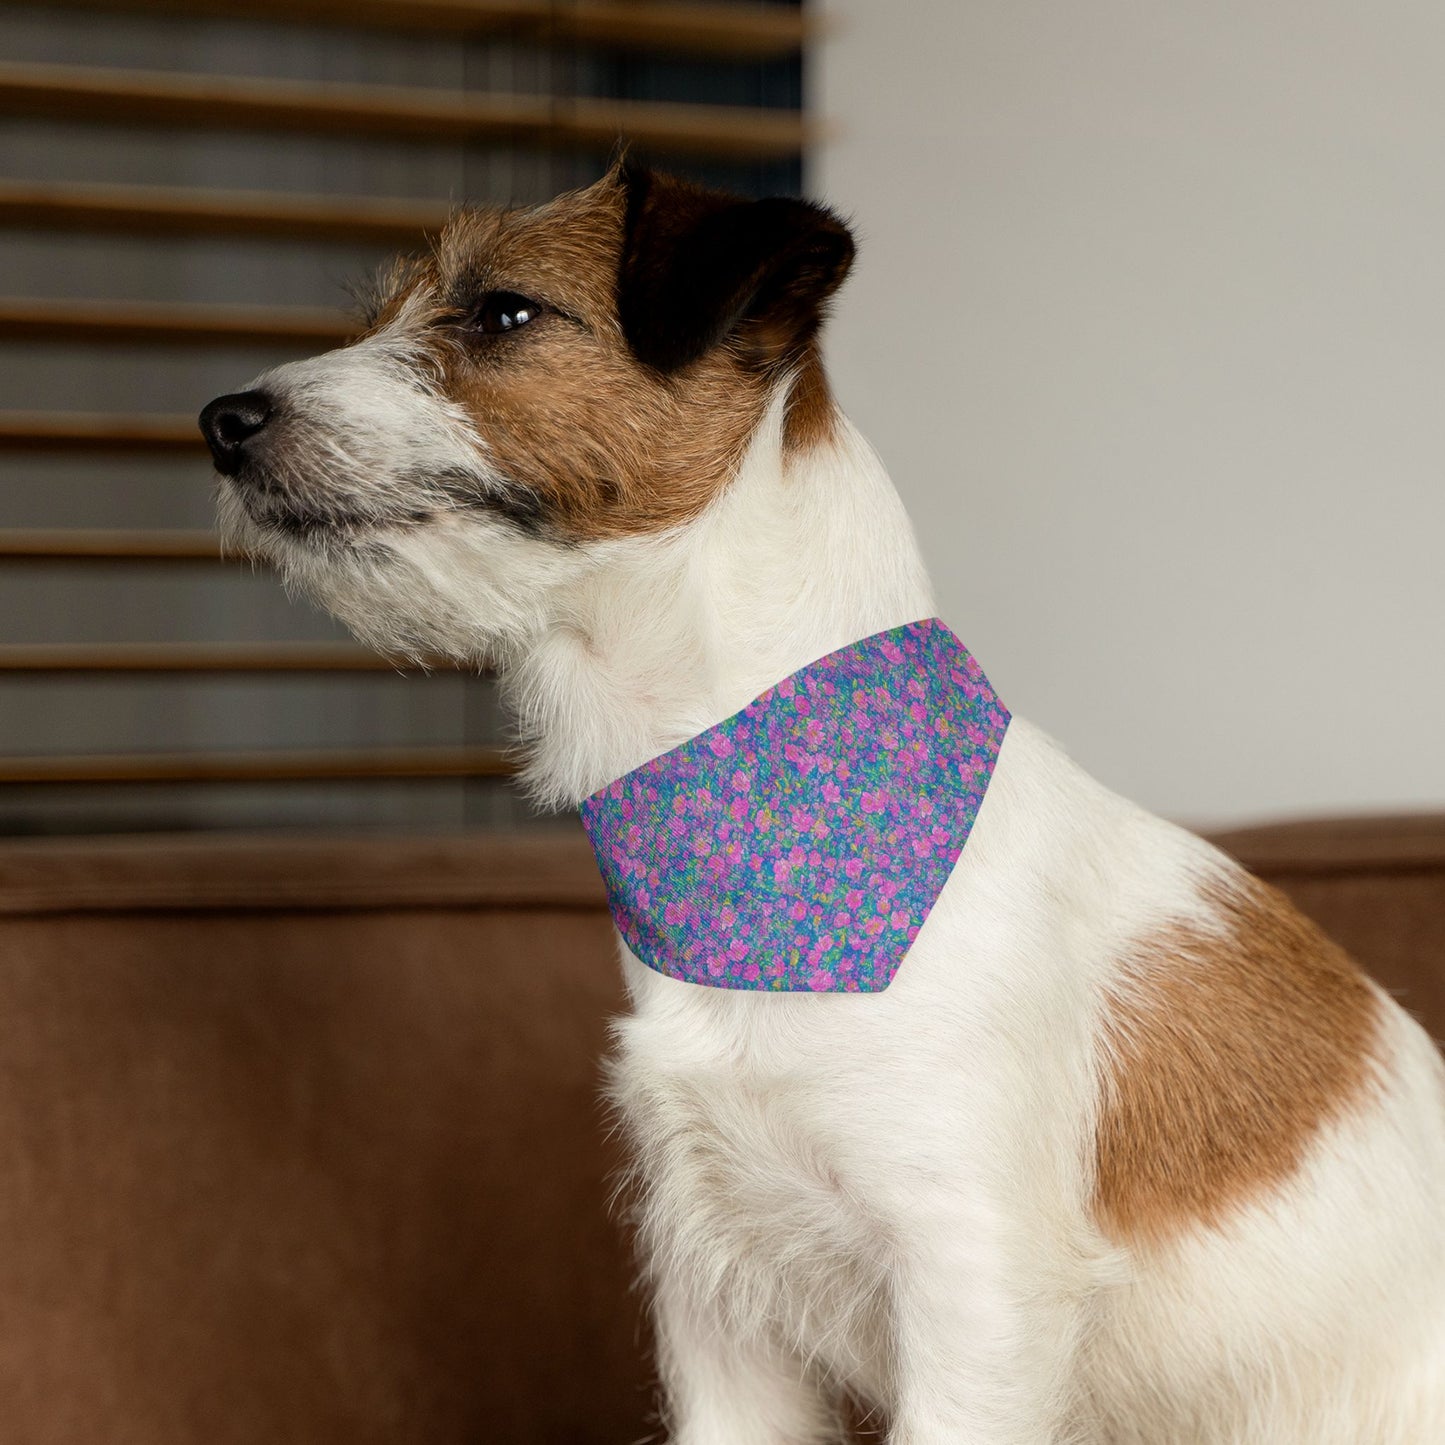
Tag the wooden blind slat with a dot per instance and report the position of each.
(755, 32)
(271, 766)
(171, 323)
(186, 657)
(761, 32)
(172, 211)
(78, 431)
(219, 102)
(83, 544)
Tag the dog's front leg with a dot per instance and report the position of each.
(723, 1387)
(985, 1339)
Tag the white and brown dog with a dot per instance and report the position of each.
(1128, 1152)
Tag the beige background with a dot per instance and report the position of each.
(1149, 324)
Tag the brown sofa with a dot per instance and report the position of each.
(302, 1140)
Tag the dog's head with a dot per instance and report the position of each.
(544, 383)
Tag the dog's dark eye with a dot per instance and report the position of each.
(504, 311)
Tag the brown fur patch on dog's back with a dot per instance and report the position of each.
(1226, 1053)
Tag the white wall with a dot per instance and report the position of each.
(1149, 324)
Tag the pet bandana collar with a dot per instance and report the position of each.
(800, 844)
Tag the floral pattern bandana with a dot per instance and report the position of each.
(799, 845)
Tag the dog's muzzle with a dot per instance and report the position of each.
(232, 422)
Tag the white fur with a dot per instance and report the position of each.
(890, 1194)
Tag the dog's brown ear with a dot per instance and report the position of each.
(699, 266)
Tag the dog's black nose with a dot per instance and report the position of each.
(229, 422)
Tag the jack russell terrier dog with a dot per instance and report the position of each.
(1115, 1147)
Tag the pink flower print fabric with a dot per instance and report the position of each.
(799, 845)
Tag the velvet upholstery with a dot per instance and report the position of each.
(300, 1138)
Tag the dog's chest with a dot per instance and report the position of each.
(748, 1173)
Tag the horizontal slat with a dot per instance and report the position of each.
(220, 102)
(173, 211)
(706, 28)
(330, 765)
(132, 657)
(171, 323)
(294, 869)
(757, 32)
(78, 544)
(85, 431)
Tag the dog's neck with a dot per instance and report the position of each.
(804, 553)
